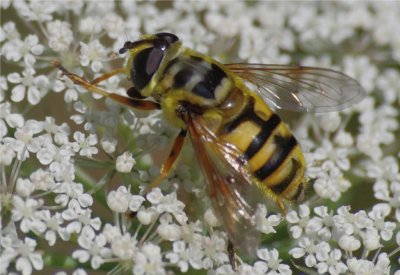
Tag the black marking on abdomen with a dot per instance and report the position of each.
(284, 146)
(280, 187)
(266, 129)
(247, 114)
(211, 80)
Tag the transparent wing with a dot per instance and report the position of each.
(301, 89)
(233, 193)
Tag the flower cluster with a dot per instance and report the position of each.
(74, 166)
(333, 243)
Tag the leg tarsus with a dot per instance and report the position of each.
(232, 255)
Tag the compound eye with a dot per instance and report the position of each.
(145, 65)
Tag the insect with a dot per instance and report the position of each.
(246, 153)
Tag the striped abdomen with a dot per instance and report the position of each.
(273, 154)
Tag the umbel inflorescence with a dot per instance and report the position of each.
(74, 166)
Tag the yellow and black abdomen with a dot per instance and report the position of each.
(273, 155)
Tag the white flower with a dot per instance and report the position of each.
(93, 249)
(80, 219)
(312, 251)
(377, 127)
(264, 223)
(42, 180)
(125, 162)
(349, 243)
(272, 261)
(89, 25)
(243, 269)
(24, 187)
(344, 139)
(25, 211)
(16, 49)
(300, 221)
(93, 53)
(326, 220)
(361, 68)
(85, 145)
(168, 203)
(119, 200)
(214, 249)
(168, 230)
(7, 154)
(54, 227)
(384, 170)
(63, 171)
(108, 144)
(26, 256)
(182, 256)
(147, 216)
(136, 202)
(190, 233)
(332, 264)
(365, 267)
(35, 87)
(8, 31)
(71, 191)
(60, 35)
(349, 223)
(124, 246)
(329, 122)
(328, 153)
(35, 11)
(113, 25)
(331, 187)
(68, 88)
(371, 240)
(378, 214)
(388, 82)
(60, 132)
(148, 260)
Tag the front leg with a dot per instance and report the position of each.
(169, 162)
(131, 102)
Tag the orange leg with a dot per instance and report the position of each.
(108, 75)
(132, 102)
(169, 162)
(282, 206)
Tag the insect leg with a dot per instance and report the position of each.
(169, 162)
(135, 103)
(108, 75)
(232, 255)
(282, 206)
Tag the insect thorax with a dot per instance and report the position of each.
(197, 78)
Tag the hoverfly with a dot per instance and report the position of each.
(245, 152)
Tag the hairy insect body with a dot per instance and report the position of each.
(236, 116)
